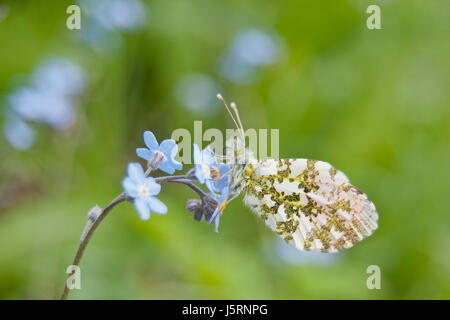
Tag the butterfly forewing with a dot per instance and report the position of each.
(309, 203)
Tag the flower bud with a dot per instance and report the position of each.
(203, 208)
(209, 206)
(94, 213)
(193, 205)
(156, 160)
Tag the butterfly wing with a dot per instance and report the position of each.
(309, 203)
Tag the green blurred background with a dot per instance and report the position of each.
(374, 103)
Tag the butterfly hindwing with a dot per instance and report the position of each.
(309, 203)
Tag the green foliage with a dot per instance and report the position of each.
(374, 103)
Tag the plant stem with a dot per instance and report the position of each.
(182, 179)
(76, 261)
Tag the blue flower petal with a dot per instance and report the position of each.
(210, 185)
(223, 169)
(142, 208)
(153, 187)
(170, 149)
(167, 146)
(136, 172)
(199, 174)
(214, 214)
(175, 164)
(197, 154)
(144, 153)
(157, 205)
(130, 187)
(208, 156)
(222, 183)
(225, 193)
(150, 140)
(167, 167)
(216, 228)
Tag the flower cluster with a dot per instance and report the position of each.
(48, 99)
(141, 189)
(216, 178)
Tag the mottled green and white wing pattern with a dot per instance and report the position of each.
(309, 203)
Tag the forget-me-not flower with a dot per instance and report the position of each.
(35, 105)
(18, 133)
(143, 189)
(208, 171)
(116, 14)
(167, 150)
(220, 178)
(59, 76)
(47, 99)
(204, 160)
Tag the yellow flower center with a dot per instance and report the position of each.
(215, 173)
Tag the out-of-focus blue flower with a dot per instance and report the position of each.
(255, 47)
(100, 39)
(208, 171)
(47, 99)
(250, 49)
(143, 189)
(116, 14)
(33, 104)
(59, 77)
(18, 133)
(168, 148)
(105, 19)
(197, 92)
(222, 201)
(236, 71)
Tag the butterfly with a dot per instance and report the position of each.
(309, 203)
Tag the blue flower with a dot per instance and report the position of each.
(49, 97)
(33, 104)
(18, 133)
(208, 171)
(222, 201)
(143, 189)
(59, 76)
(168, 148)
(220, 178)
(203, 161)
(251, 49)
(112, 15)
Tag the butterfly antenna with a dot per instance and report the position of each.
(221, 99)
(235, 109)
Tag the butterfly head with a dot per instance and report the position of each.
(235, 153)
